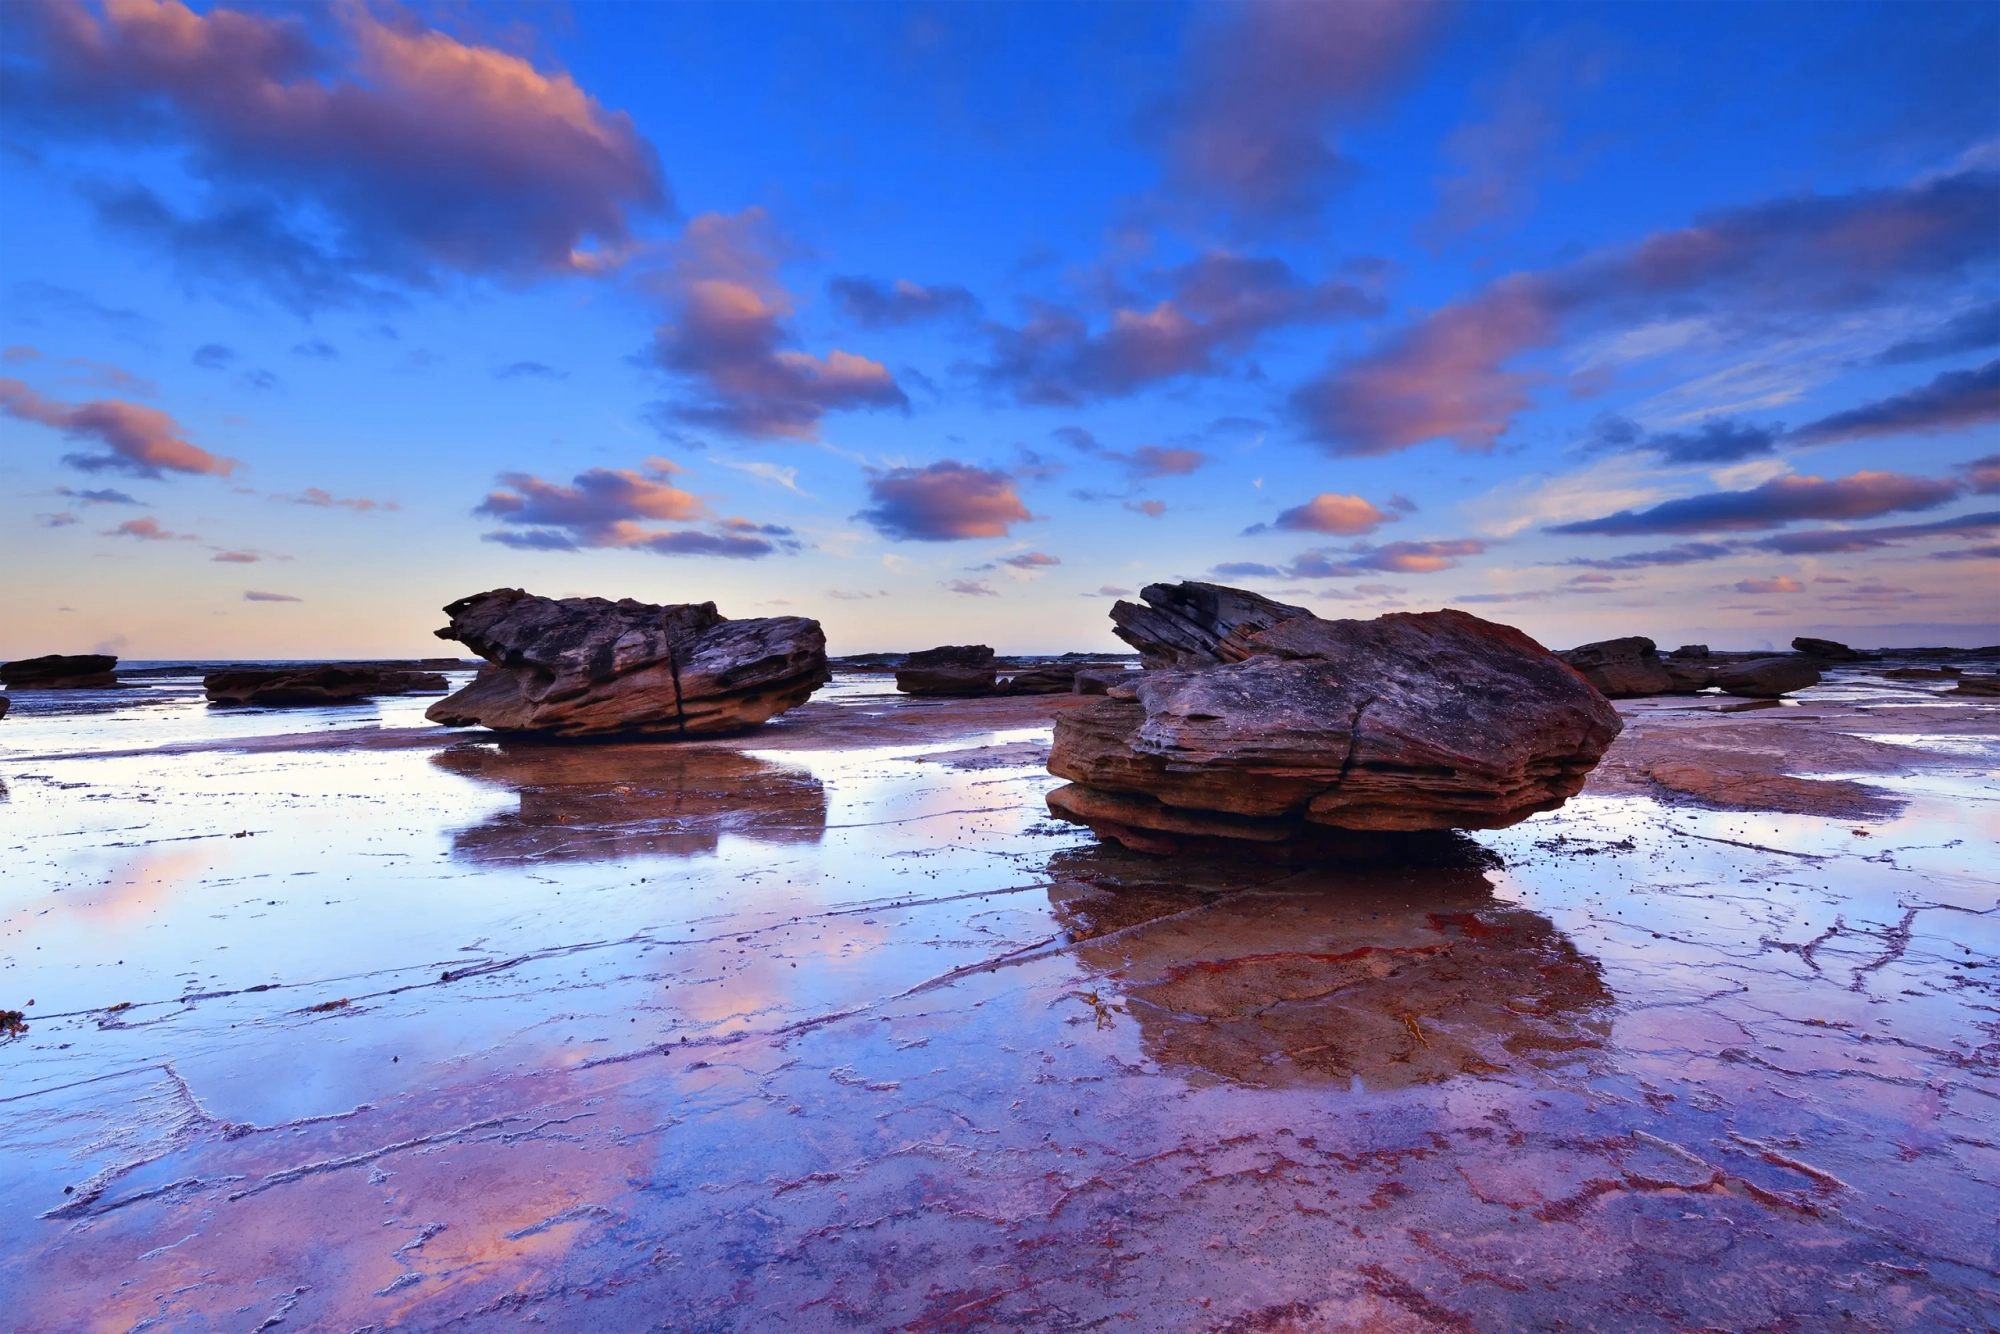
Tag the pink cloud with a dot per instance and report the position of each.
(945, 502)
(142, 441)
(420, 151)
(1338, 515)
(148, 530)
(1782, 583)
(1453, 375)
(727, 329)
(607, 507)
(1264, 86)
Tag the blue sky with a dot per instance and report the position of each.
(937, 323)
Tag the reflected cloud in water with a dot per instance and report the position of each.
(605, 802)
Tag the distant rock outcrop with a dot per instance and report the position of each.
(1302, 738)
(60, 671)
(1055, 678)
(1623, 668)
(1828, 650)
(591, 667)
(951, 670)
(327, 683)
(1766, 678)
(1986, 686)
(1100, 680)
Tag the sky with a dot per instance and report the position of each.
(953, 323)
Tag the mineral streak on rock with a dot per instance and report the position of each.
(1325, 735)
(592, 667)
(951, 670)
(59, 671)
(331, 683)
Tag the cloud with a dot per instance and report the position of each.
(339, 151)
(773, 473)
(1968, 331)
(1264, 86)
(726, 333)
(1830, 541)
(970, 588)
(142, 441)
(1337, 515)
(1740, 273)
(947, 501)
(1110, 591)
(319, 499)
(1782, 500)
(252, 595)
(605, 507)
(1782, 583)
(1218, 304)
(105, 496)
(529, 370)
(1718, 440)
(316, 349)
(1031, 560)
(62, 520)
(214, 357)
(1146, 463)
(1152, 509)
(34, 303)
(1982, 476)
(148, 530)
(236, 557)
(1245, 569)
(1365, 558)
(1969, 553)
(874, 304)
(1686, 553)
(1951, 402)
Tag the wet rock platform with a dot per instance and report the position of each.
(343, 1022)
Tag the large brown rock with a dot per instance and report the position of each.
(592, 667)
(1624, 668)
(1055, 678)
(1326, 736)
(60, 671)
(1767, 678)
(951, 670)
(327, 683)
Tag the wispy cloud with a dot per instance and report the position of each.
(139, 440)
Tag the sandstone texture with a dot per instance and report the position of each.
(1766, 678)
(1626, 668)
(1310, 738)
(952, 670)
(60, 671)
(592, 667)
(327, 683)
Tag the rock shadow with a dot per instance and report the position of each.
(1381, 977)
(605, 802)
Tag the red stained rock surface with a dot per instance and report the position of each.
(588, 666)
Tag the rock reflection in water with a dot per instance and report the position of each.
(599, 802)
(1392, 977)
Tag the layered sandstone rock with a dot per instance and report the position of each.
(326, 683)
(591, 667)
(1625, 668)
(60, 671)
(1315, 738)
(1766, 678)
(950, 670)
(1055, 678)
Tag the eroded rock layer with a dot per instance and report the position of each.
(589, 666)
(1321, 730)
